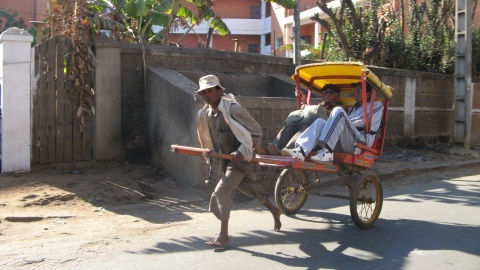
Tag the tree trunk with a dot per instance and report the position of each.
(322, 4)
(209, 37)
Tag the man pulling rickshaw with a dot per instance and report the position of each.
(349, 141)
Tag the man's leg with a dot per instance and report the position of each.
(256, 191)
(276, 213)
(309, 138)
(249, 187)
(284, 135)
(291, 143)
(222, 239)
(340, 127)
(221, 202)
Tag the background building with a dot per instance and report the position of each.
(249, 22)
(256, 26)
(28, 10)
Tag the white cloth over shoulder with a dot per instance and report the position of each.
(240, 132)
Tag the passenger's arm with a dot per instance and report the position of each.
(377, 116)
(356, 116)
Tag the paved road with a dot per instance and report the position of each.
(431, 221)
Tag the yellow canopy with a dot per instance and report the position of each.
(339, 73)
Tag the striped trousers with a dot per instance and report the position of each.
(338, 132)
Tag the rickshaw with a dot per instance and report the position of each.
(294, 183)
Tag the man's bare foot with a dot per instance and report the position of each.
(278, 223)
(218, 242)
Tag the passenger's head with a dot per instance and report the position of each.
(330, 93)
(357, 92)
(210, 90)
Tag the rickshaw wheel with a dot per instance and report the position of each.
(291, 190)
(366, 200)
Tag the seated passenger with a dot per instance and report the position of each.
(342, 127)
(297, 121)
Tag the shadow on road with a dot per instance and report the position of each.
(387, 245)
(340, 243)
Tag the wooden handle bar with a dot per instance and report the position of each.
(205, 152)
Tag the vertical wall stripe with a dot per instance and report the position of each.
(409, 112)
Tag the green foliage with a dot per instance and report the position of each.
(312, 52)
(429, 44)
(8, 20)
(137, 18)
(476, 50)
(333, 49)
(396, 49)
(364, 41)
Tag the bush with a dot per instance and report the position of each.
(476, 50)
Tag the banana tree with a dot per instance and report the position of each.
(140, 17)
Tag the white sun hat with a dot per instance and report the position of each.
(209, 81)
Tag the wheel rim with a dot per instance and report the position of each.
(367, 200)
(293, 190)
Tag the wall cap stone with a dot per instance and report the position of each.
(164, 50)
(106, 42)
(16, 34)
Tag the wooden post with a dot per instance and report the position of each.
(39, 27)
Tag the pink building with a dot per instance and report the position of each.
(256, 27)
(249, 22)
(28, 10)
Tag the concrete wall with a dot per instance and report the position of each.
(15, 100)
(475, 136)
(192, 63)
(171, 119)
(171, 107)
(421, 110)
(107, 122)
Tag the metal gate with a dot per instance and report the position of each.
(55, 127)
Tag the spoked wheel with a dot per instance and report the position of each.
(366, 200)
(291, 190)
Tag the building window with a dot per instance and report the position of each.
(279, 42)
(267, 39)
(268, 8)
(253, 48)
(307, 39)
(255, 12)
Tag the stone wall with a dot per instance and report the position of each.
(242, 73)
(421, 110)
(171, 107)
(171, 119)
(475, 135)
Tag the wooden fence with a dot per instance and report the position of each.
(55, 127)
